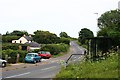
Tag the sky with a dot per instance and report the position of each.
(56, 16)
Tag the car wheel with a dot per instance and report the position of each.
(25, 61)
(3, 64)
(48, 57)
(40, 60)
(34, 62)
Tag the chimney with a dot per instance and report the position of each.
(30, 35)
(24, 35)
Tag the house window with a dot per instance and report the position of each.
(20, 41)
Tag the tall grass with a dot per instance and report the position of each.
(107, 68)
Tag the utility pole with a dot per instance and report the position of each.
(119, 5)
(96, 26)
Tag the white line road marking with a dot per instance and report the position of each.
(77, 58)
(18, 75)
(29, 72)
(49, 68)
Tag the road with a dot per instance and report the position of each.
(47, 68)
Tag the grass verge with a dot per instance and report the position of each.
(61, 54)
(107, 68)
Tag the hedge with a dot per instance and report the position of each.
(6, 46)
(12, 46)
(12, 55)
(65, 40)
(55, 48)
(9, 38)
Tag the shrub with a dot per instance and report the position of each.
(12, 54)
(6, 46)
(12, 46)
(55, 48)
(65, 40)
(22, 55)
(9, 38)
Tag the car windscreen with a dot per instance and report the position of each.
(41, 52)
(47, 52)
(32, 55)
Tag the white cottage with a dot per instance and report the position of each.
(24, 39)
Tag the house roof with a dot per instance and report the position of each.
(33, 44)
(28, 38)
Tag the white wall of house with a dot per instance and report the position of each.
(15, 41)
(22, 40)
(33, 48)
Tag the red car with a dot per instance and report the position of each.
(44, 54)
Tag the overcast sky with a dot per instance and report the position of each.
(55, 16)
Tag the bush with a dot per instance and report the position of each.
(55, 48)
(65, 40)
(35, 50)
(12, 46)
(22, 55)
(6, 46)
(9, 38)
(12, 55)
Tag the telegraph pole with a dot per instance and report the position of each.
(119, 5)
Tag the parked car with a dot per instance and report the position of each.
(32, 57)
(3, 63)
(44, 54)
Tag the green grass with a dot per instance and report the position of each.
(61, 54)
(58, 55)
(107, 68)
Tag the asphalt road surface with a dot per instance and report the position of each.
(47, 70)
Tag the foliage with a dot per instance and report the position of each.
(6, 46)
(83, 34)
(110, 19)
(101, 69)
(55, 48)
(109, 24)
(12, 55)
(63, 34)
(83, 45)
(17, 33)
(44, 37)
(12, 46)
(64, 40)
(9, 38)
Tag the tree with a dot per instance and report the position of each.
(109, 24)
(63, 34)
(85, 33)
(110, 20)
(9, 38)
(18, 33)
(44, 37)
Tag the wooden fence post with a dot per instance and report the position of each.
(17, 60)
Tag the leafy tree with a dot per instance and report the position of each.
(109, 24)
(63, 34)
(18, 33)
(83, 34)
(44, 37)
(9, 38)
(110, 20)
(64, 40)
(7, 33)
